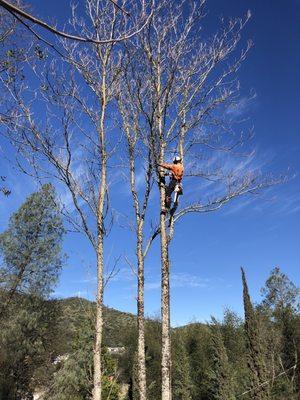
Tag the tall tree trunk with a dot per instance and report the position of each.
(99, 321)
(165, 302)
(141, 317)
(140, 217)
(97, 392)
(164, 247)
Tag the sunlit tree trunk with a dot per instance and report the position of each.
(141, 317)
(165, 303)
(137, 150)
(100, 247)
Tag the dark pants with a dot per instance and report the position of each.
(169, 190)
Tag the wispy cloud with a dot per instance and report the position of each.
(188, 280)
(287, 203)
(181, 280)
(123, 275)
(281, 200)
(240, 205)
(241, 107)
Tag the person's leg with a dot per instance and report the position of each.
(169, 190)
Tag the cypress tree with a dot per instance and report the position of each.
(255, 353)
(220, 382)
(181, 374)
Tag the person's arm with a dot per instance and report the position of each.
(166, 166)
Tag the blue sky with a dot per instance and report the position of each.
(209, 249)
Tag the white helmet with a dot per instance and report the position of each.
(176, 159)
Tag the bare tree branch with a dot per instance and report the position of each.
(14, 10)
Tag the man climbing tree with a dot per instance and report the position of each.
(175, 180)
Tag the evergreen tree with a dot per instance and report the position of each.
(197, 339)
(31, 247)
(255, 351)
(233, 335)
(31, 261)
(220, 382)
(181, 374)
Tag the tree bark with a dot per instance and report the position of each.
(166, 363)
(140, 218)
(165, 302)
(141, 318)
(97, 392)
(99, 322)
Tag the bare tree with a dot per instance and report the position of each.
(11, 50)
(184, 85)
(139, 158)
(12, 57)
(63, 130)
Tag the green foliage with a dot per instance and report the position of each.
(31, 254)
(197, 339)
(134, 386)
(153, 358)
(255, 350)
(233, 334)
(219, 376)
(31, 246)
(181, 370)
(128, 362)
(280, 293)
(27, 340)
(196, 355)
(74, 377)
(280, 306)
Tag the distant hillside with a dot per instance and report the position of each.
(74, 310)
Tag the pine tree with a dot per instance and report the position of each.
(31, 254)
(220, 382)
(31, 247)
(255, 351)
